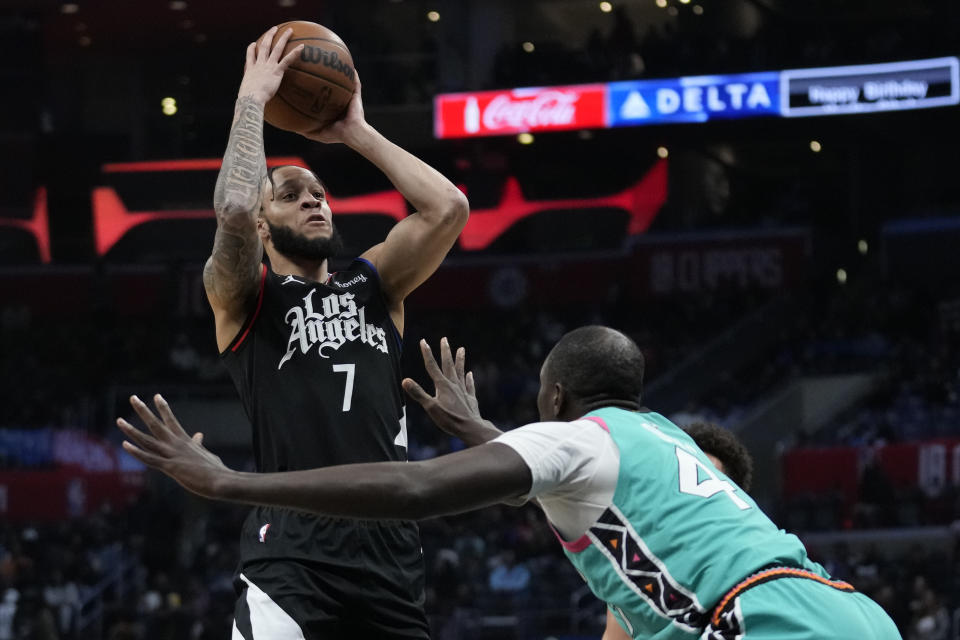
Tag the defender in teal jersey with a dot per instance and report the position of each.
(675, 549)
(730, 458)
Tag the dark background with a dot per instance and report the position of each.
(83, 84)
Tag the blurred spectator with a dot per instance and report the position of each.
(930, 619)
(509, 576)
(8, 610)
(183, 357)
(63, 598)
(33, 620)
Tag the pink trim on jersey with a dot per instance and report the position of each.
(599, 421)
(583, 541)
(576, 546)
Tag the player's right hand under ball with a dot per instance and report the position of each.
(264, 67)
(347, 127)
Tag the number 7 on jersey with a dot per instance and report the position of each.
(348, 369)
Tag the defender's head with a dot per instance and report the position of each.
(589, 368)
(295, 218)
(724, 450)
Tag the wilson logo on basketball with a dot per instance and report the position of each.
(330, 324)
(316, 55)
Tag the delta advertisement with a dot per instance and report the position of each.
(916, 84)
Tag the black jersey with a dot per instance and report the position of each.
(317, 366)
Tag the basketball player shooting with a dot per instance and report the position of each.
(675, 549)
(315, 357)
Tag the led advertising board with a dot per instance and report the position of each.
(895, 86)
(914, 84)
(693, 99)
(489, 113)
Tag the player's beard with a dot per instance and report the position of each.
(296, 245)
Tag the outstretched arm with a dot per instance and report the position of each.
(453, 407)
(416, 245)
(231, 274)
(450, 484)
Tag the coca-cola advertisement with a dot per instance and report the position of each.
(489, 113)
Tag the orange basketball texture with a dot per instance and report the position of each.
(318, 84)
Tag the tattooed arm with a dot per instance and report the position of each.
(231, 274)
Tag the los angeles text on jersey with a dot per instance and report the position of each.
(336, 321)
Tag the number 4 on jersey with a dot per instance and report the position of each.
(690, 480)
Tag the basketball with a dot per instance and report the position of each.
(318, 84)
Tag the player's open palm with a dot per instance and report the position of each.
(264, 66)
(168, 448)
(454, 406)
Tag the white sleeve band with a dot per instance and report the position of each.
(574, 468)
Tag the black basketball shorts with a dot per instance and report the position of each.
(375, 590)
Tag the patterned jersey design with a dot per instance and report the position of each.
(728, 625)
(643, 573)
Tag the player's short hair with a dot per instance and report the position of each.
(723, 445)
(273, 185)
(596, 362)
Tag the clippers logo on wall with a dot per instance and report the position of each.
(487, 113)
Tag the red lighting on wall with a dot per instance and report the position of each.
(642, 200)
(195, 164)
(38, 224)
(112, 220)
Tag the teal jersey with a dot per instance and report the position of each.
(678, 534)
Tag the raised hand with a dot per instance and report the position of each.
(341, 129)
(168, 448)
(264, 67)
(454, 408)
